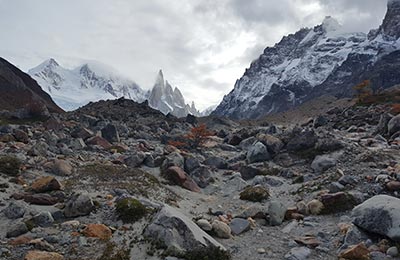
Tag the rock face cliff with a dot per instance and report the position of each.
(18, 90)
(314, 62)
(168, 100)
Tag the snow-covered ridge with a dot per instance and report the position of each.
(93, 81)
(73, 88)
(311, 62)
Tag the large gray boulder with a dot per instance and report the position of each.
(379, 214)
(258, 153)
(178, 234)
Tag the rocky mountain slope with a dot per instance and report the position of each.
(19, 91)
(168, 100)
(106, 182)
(91, 82)
(315, 62)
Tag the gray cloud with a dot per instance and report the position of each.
(203, 46)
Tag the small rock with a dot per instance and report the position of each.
(204, 224)
(347, 180)
(249, 172)
(217, 162)
(322, 163)
(99, 141)
(61, 168)
(276, 211)
(135, 160)
(302, 141)
(202, 176)
(338, 202)
(302, 208)
(308, 241)
(71, 224)
(42, 255)
(261, 251)
(258, 153)
(191, 163)
(78, 205)
(45, 184)
(110, 133)
(43, 219)
(179, 177)
(239, 226)
(97, 231)
(21, 136)
(40, 199)
(21, 240)
(221, 229)
(393, 186)
(267, 181)
(15, 210)
(359, 251)
(82, 132)
(298, 253)
(17, 230)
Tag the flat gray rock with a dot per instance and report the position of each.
(380, 214)
(178, 233)
(239, 226)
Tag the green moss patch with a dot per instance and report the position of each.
(130, 210)
(254, 193)
(10, 165)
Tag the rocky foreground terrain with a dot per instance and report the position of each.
(108, 182)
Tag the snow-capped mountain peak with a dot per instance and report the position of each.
(49, 64)
(93, 81)
(314, 62)
(168, 99)
(160, 79)
(72, 88)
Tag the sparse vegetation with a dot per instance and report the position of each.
(254, 193)
(112, 253)
(196, 137)
(214, 253)
(130, 210)
(366, 96)
(10, 165)
(364, 91)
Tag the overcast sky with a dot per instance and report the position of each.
(203, 46)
